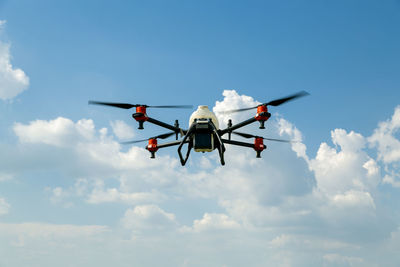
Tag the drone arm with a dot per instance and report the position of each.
(190, 146)
(237, 126)
(174, 143)
(221, 147)
(183, 141)
(165, 125)
(237, 143)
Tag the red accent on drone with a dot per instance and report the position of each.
(259, 144)
(152, 146)
(142, 110)
(262, 111)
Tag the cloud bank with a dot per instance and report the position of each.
(13, 81)
(330, 209)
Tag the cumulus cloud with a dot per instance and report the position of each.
(232, 100)
(213, 222)
(336, 192)
(287, 128)
(346, 166)
(355, 199)
(384, 138)
(31, 241)
(45, 230)
(92, 152)
(4, 206)
(5, 176)
(101, 195)
(347, 180)
(58, 132)
(345, 173)
(122, 130)
(148, 217)
(388, 147)
(13, 81)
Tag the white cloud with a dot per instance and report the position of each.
(289, 129)
(49, 231)
(148, 217)
(12, 80)
(4, 206)
(384, 139)
(99, 195)
(96, 192)
(309, 242)
(372, 168)
(355, 199)
(205, 163)
(348, 168)
(339, 260)
(122, 130)
(328, 204)
(5, 176)
(232, 100)
(30, 242)
(392, 180)
(2, 25)
(346, 181)
(213, 222)
(388, 147)
(92, 152)
(59, 195)
(58, 132)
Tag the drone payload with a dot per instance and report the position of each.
(204, 134)
(203, 141)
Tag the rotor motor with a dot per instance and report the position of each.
(152, 147)
(140, 116)
(262, 115)
(259, 146)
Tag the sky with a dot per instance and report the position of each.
(72, 195)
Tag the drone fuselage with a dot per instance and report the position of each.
(203, 113)
(203, 137)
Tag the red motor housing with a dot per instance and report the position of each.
(259, 146)
(140, 116)
(262, 113)
(152, 146)
(141, 110)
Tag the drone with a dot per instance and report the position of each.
(204, 133)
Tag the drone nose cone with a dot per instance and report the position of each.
(203, 112)
(202, 107)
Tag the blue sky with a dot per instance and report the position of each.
(67, 185)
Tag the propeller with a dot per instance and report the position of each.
(161, 136)
(245, 135)
(128, 106)
(274, 103)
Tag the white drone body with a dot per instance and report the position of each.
(203, 140)
(203, 112)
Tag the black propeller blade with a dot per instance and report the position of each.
(128, 106)
(237, 110)
(246, 135)
(161, 136)
(274, 103)
(117, 105)
(176, 106)
(280, 101)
